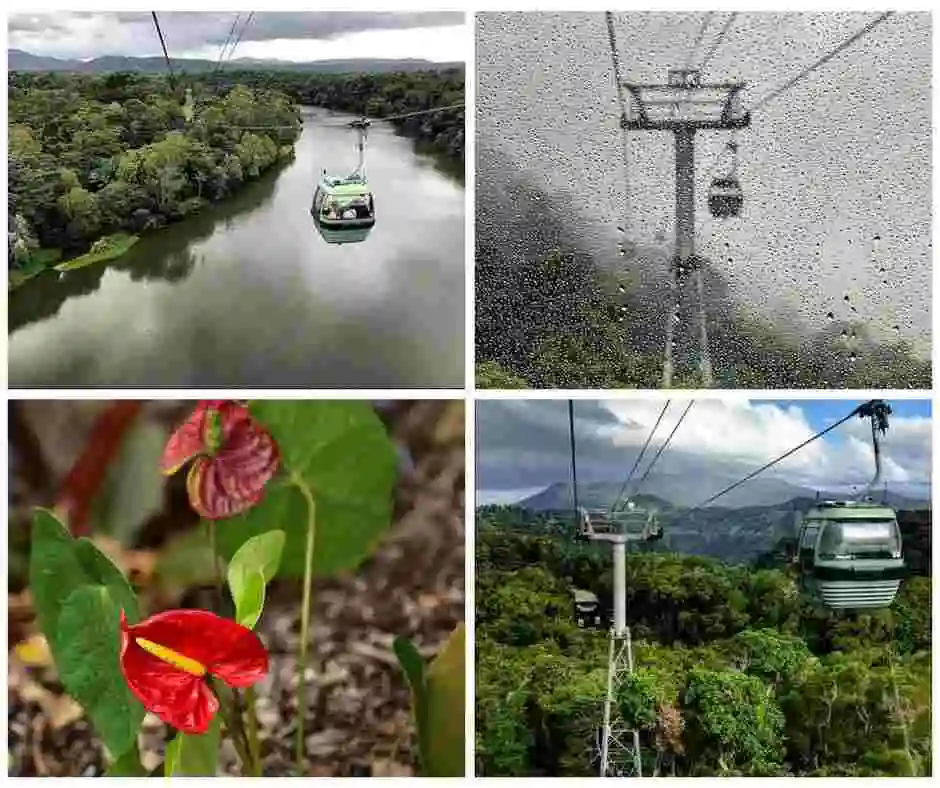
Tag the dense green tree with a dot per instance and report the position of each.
(735, 672)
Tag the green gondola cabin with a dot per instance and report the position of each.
(850, 556)
(343, 203)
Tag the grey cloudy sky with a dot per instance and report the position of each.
(523, 445)
(835, 172)
(437, 36)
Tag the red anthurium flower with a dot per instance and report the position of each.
(167, 659)
(234, 458)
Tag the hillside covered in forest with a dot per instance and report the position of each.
(560, 320)
(19, 60)
(736, 674)
(755, 535)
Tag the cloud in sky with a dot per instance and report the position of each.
(523, 444)
(437, 36)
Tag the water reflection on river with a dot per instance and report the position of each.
(248, 294)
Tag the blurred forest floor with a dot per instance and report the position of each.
(357, 707)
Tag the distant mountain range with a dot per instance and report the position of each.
(686, 491)
(739, 534)
(18, 60)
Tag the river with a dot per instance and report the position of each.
(247, 293)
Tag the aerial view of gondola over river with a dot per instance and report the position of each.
(243, 199)
(711, 199)
(703, 588)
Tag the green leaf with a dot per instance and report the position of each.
(413, 667)
(249, 602)
(445, 716)
(251, 569)
(342, 451)
(128, 765)
(103, 571)
(54, 569)
(86, 646)
(193, 756)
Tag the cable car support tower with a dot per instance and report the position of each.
(683, 106)
(619, 744)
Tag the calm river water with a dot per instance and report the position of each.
(248, 294)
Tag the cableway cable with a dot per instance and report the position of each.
(663, 447)
(717, 42)
(166, 56)
(640, 456)
(404, 115)
(624, 139)
(698, 39)
(770, 464)
(822, 61)
(251, 15)
(228, 40)
(574, 464)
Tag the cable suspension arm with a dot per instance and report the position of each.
(822, 61)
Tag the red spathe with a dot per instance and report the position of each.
(227, 479)
(181, 698)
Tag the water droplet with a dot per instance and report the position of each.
(830, 316)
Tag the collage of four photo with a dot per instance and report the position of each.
(425, 393)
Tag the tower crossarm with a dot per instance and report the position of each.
(690, 105)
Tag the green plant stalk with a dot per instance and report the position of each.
(232, 716)
(254, 743)
(238, 737)
(305, 619)
(217, 565)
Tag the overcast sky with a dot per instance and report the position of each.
(523, 446)
(436, 36)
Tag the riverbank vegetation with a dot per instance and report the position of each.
(93, 156)
(558, 322)
(378, 96)
(736, 673)
(104, 249)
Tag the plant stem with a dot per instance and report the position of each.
(254, 743)
(231, 715)
(305, 620)
(235, 731)
(217, 564)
